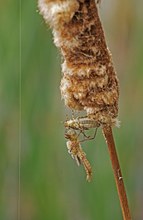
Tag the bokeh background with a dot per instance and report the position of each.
(52, 187)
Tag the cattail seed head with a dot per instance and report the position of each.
(89, 80)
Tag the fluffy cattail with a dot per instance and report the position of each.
(89, 80)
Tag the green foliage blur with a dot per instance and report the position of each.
(52, 187)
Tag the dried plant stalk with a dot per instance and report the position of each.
(107, 131)
(89, 80)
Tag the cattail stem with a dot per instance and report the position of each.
(89, 80)
(107, 131)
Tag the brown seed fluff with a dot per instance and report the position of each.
(89, 80)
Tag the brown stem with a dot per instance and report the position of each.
(107, 131)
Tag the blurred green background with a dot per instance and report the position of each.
(52, 187)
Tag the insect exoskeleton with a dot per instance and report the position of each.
(76, 152)
(81, 123)
(73, 145)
